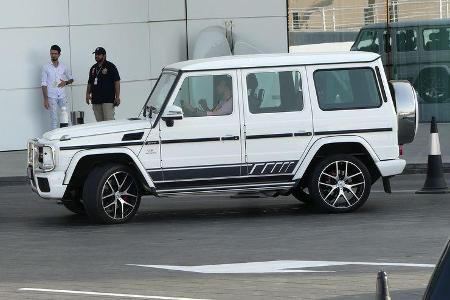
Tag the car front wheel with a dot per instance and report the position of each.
(111, 194)
(74, 205)
(340, 183)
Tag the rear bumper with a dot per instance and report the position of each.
(391, 167)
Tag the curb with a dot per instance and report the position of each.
(422, 168)
(13, 180)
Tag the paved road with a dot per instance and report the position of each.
(43, 246)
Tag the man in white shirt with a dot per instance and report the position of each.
(55, 76)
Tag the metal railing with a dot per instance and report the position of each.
(331, 18)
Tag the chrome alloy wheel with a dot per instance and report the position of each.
(120, 195)
(341, 184)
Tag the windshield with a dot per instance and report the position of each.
(159, 93)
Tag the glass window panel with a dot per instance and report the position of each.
(270, 92)
(436, 39)
(368, 41)
(210, 95)
(347, 89)
(406, 40)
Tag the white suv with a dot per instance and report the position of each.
(323, 127)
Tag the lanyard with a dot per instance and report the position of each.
(99, 69)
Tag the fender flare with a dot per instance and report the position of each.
(314, 148)
(84, 153)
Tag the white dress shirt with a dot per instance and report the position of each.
(52, 76)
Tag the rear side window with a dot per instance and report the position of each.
(368, 41)
(271, 92)
(436, 38)
(342, 89)
(406, 40)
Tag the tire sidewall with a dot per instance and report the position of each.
(75, 206)
(92, 193)
(314, 179)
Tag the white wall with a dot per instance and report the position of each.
(140, 37)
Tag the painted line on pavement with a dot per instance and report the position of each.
(104, 294)
(275, 266)
(397, 191)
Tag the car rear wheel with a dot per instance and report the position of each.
(340, 183)
(111, 194)
(434, 87)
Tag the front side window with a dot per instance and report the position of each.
(270, 92)
(368, 41)
(346, 89)
(160, 92)
(406, 40)
(436, 38)
(209, 95)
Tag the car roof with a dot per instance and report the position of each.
(272, 60)
(439, 22)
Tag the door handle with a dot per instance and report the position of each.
(229, 137)
(302, 133)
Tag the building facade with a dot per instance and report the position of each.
(140, 37)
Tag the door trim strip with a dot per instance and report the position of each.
(353, 131)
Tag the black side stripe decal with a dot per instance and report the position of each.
(99, 146)
(199, 140)
(268, 136)
(213, 139)
(353, 131)
(277, 135)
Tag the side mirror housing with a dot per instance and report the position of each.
(172, 113)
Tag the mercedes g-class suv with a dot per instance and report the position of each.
(416, 51)
(322, 127)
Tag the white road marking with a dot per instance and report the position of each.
(276, 266)
(395, 191)
(104, 294)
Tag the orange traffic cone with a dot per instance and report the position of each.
(435, 182)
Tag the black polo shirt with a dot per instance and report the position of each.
(102, 89)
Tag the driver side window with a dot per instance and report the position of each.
(209, 95)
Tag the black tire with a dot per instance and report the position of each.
(111, 194)
(301, 195)
(75, 206)
(344, 190)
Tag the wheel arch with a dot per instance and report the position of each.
(352, 145)
(84, 161)
(432, 68)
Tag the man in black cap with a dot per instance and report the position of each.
(103, 89)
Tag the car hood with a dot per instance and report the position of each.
(99, 128)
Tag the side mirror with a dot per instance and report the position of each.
(171, 113)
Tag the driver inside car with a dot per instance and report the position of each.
(223, 107)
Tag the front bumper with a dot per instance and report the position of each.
(47, 185)
(391, 167)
